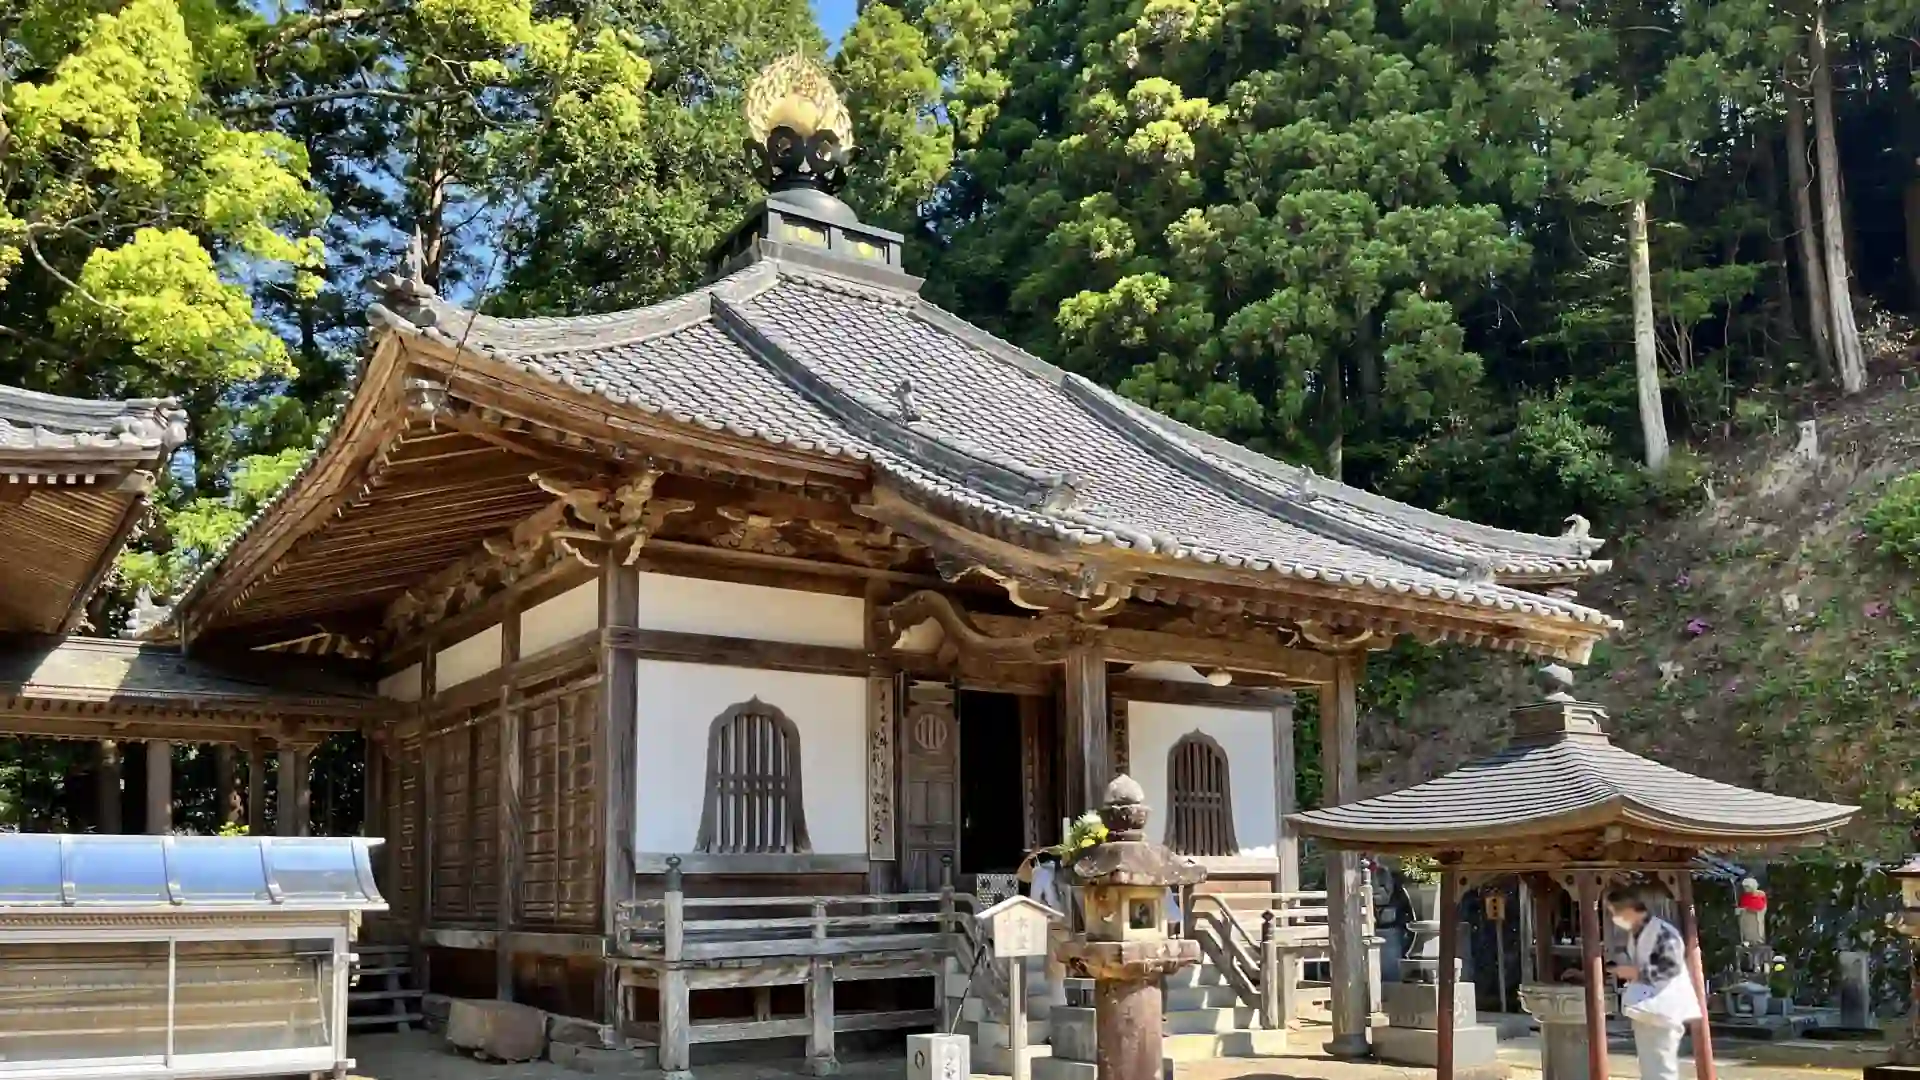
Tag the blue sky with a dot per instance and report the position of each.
(834, 17)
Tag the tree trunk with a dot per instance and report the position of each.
(1646, 359)
(1813, 268)
(1911, 201)
(1850, 360)
(1769, 164)
(1333, 407)
(1367, 369)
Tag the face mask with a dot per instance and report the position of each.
(1624, 922)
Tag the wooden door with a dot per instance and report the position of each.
(929, 785)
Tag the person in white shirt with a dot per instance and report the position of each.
(1657, 994)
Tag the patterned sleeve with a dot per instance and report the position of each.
(1664, 961)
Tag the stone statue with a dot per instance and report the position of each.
(1752, 913)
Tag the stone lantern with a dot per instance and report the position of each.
(1906, 922)
(1126, 950)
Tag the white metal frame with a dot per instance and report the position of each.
(331, 1057)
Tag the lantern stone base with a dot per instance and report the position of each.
(1475, 1047)
(1562, 1012)
(1412, 1036)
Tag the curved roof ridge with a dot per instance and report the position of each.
(1304, 480)
(57, 422)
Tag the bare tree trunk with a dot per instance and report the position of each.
(1333, 404)
(1767, 159)
(1646, 358)
(1813, 268)
(1849, 358)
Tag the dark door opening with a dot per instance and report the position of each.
(992, 814)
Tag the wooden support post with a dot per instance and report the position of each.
(1449, 980)
(1703, 1067)
(820, 1050)
(256, 789)
(1017, 1017)
(1285, 794)
(1272, 994)
(107, 793)
(159, 821)
(616, 761)
(511, 833)
(294, 808)
(1340, 772)
(1593, 964)
(675, 1015)
(1545, 893)
(1088, 741)
(226, 781)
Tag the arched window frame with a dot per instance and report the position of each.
(724, 785)
(1187, 833)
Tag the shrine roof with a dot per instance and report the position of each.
(795, 354)
(74, 478)
(1560, 776)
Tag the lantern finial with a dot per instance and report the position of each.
(802, 136)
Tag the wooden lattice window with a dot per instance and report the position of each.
(753, 802)
(1199, 797)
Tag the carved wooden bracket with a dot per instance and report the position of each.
(1051, 637)
(584, 523)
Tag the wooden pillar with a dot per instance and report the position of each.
(294, 804)
(1285, 792)
(1088, 740)
(1703, 1067)
(512, 846)
(1595, 968)
(159, 819)
(1545, 893)
(1346, 897)
(676, 1019)
(1449, 982)
(106, 786)
(256, 789)
(619, 718)
(226, 782)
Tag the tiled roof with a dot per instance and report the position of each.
(793, 355)
(129, 672)
(34, 423)
(1573, 780)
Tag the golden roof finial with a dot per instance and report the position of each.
(801, 132)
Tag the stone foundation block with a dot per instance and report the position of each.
(1474, 1047)
(500, 1030)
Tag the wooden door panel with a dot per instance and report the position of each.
(930, 784)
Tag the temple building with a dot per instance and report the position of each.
(797, 585)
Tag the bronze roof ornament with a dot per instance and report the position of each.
(802, 136)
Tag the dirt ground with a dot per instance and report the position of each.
(422, 1056)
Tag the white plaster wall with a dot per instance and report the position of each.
(402, 685)
(468, 659)
(678, 703)
(1247, 737)
(729, 609)
(561, 619)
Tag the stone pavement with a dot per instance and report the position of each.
(422, 1056)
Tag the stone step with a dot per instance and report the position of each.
(1257, 1042)
(1199, 997)
(1197, 975)
(997, 1033)
(1054, 1068)
(998, 1060)
(1210, 1021)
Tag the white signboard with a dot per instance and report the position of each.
(1019, 926)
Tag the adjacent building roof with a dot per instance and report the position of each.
(77, 687)
(74, 477)
(1560, 776)
(51, 874)
(824, 354)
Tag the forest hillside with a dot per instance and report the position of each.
(1773, 626)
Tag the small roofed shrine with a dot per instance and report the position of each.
(165, 956)
(748, 583)
(1573, 816)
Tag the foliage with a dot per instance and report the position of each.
(1894, 520)
(1419, 869)
(1084, 832)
